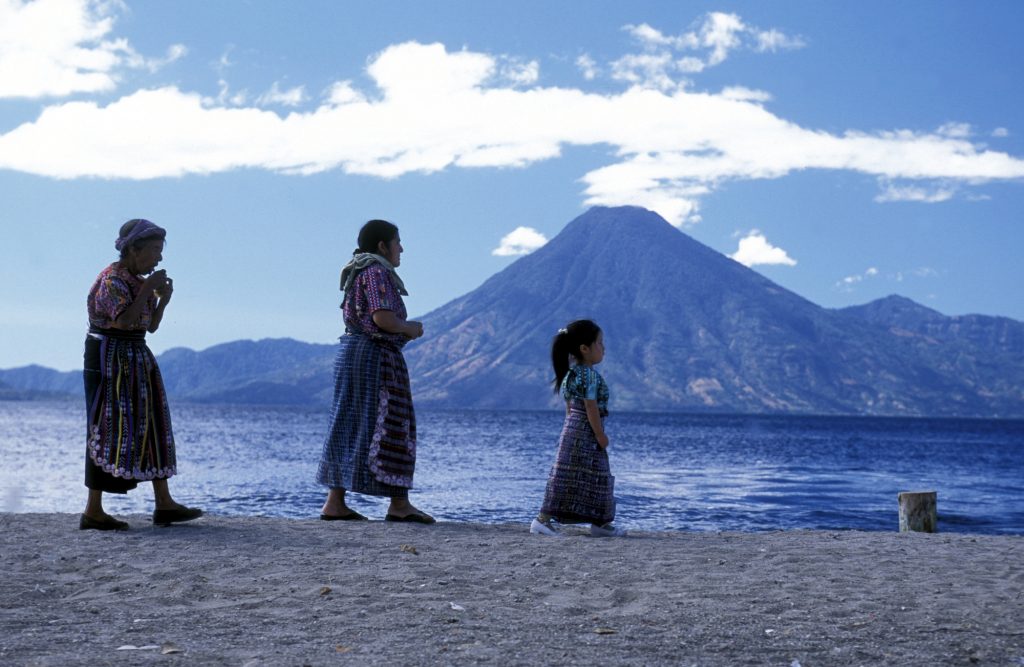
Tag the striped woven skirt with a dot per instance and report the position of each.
(128, 436)
(581, 488)
(371, 444)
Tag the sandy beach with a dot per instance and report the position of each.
(266, 591)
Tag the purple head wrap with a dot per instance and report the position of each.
(143, 229)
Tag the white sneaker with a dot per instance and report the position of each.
(540, 528)
(607, 530)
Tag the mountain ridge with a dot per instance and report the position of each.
(687, 329)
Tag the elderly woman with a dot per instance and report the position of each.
(371, 446)
(129, 426)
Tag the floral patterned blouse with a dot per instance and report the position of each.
(583, 382)
(114, 290)
(373, 290)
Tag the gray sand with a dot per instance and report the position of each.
(262, 591)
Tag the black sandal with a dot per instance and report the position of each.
(351, 516)
(415, 517)
(109, 523)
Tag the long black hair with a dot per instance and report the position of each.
(373, 233)
(567, 342)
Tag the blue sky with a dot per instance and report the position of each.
(845, 150)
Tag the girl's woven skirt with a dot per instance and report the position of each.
(581, 488)
(128, 435)
(371, 444)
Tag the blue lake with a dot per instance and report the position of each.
(673, 471)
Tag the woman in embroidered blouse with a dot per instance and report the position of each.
(371, 444)
(129, 435)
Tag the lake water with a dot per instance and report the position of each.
(673, 471)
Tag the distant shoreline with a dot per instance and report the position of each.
(64, 398)
(266, 591)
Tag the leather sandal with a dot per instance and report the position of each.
(177, 515)
(109, 523)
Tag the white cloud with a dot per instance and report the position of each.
(521, 74)
(225, 97)
(721, 33)
(53, 48)
(588, 67)
(847, 283)
(651, 70)
(742, 94)
(1000, 132)
(342, 92)
(754, 249)
(433, 109)
(717, 36)
(773, 40)
(915, 193)
(690, 65)
(653, 38)
(289, 98)
(955, 130)
(520, 241)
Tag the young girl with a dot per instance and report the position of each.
(580, 488)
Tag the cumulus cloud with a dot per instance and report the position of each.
(754, 249)
(53, 48)
(1000, 132)
(431, 109)
(520, 241)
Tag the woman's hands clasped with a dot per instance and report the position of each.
(414, 329)
(163, 288)
(158, 283)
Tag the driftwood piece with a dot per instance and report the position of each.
(918, 511)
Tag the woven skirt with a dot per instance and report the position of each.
(128, 433)
(581, 488)
(371, 442)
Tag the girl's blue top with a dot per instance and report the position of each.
(583, 382)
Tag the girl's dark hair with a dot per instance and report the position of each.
(567, 342)
(373, 232)
(127, 228)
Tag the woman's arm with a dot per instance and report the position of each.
(158, 314)
(130, 317)
(391, 323)
(594, 417)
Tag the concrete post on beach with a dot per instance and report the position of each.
(918, 511)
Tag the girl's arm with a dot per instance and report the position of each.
(594, 417)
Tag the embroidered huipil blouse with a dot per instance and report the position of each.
(583, 382)
(373, 290)
(114, 290)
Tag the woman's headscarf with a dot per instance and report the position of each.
(143, 229)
